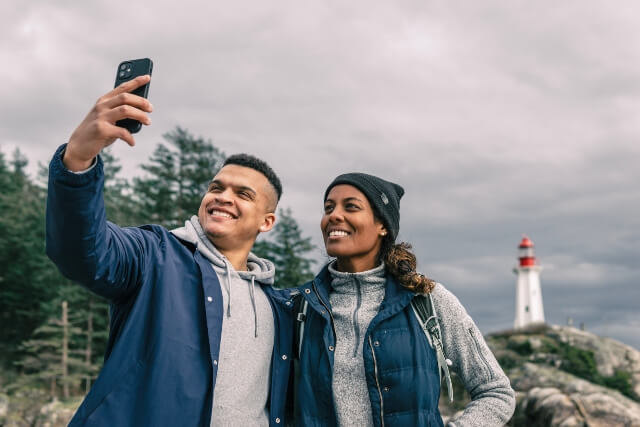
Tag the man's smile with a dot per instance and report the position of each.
(220, 213)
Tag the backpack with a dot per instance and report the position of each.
(424, 311)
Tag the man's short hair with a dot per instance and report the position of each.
(249, 161)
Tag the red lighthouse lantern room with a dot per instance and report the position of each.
(525, 252)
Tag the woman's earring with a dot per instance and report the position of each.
(383, 233)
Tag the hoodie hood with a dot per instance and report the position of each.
(259, 269)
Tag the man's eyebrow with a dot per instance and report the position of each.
(235, 187)
(245, 188)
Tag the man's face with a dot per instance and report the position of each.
(238, 205)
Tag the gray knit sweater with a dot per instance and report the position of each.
(355, 300)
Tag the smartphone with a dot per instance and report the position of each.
(128, 70)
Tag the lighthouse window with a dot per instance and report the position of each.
(526, 308)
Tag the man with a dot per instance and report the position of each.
(182, 350)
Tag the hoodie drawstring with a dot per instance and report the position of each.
(252, 294)
(259, 269)
(228, 287)
(252, 291)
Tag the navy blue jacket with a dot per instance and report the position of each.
(166, 312)
(400, 366)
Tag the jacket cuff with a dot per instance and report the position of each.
(59, 172)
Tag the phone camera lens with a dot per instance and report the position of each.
(123, 66)
(122, 73)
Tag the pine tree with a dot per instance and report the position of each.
(176, 179)
(48, 357)
(23, 263)
(288, 250)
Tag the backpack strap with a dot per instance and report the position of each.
(424, 310)
(300, 305)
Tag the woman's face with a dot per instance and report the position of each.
(350, 231)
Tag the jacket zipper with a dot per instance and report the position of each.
(479, 351)
(375, 373)
(326, 307)
(356, 329)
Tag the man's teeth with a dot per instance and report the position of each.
(220, 213)
(338, 233)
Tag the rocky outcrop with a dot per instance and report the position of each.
(611, 356)
(566, 377)
(550, 397)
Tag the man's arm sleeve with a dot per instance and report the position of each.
(105, 258)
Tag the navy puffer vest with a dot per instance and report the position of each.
(400, 366)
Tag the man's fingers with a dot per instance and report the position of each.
(123, 134)
(133, 84)
(125, 87)
(128, 99)
(127, 112)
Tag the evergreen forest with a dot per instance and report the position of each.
(53, 332)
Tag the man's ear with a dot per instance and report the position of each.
(268, 222)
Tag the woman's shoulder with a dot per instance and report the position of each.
(446, 304)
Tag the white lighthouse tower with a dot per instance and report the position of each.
(528, 296)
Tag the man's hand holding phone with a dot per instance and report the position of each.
(98, 130)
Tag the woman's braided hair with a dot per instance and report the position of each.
(401, 264)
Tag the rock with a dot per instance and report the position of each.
(610, 355)
(552, 407)
(4, 406)
(543, 364)
(56, 413)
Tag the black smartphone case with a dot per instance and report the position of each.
(128, 70)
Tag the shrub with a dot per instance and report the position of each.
(620, 381)
(579, 362)
(523, 348)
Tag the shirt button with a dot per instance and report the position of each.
(284, 357)
(307, 291)
(215, 362)
(277, 420)
(331, 348)
(386, 389)
(288, 302)
(209, 299)
(376, 343)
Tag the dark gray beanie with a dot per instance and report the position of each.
(384, 197)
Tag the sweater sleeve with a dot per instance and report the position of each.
(492, 398)
(105, 258)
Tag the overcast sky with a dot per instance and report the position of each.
(498, 118)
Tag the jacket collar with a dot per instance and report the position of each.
(396, 296)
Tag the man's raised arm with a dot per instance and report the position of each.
(87, 249)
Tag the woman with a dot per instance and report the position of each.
(364, 358)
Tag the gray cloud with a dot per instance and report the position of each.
(499, 119)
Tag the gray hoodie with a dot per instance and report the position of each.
(246, 345)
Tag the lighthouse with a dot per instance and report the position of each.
(528, 295)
